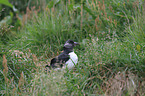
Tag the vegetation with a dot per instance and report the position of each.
(111, 52)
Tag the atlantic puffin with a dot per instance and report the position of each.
(67, 59)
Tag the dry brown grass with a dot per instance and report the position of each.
(124, 83)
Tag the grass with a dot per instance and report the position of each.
(111, 51)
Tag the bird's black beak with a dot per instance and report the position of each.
(76, 43)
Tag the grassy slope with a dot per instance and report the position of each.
(108, 60)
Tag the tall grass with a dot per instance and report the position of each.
(50, 28)
(111, 51)
(102, 61)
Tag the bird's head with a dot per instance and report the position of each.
(70, 44)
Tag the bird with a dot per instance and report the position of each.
(67, 59)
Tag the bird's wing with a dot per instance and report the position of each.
(59, 61)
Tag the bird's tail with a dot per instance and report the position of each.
(47, 68)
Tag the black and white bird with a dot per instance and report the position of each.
(67, 59)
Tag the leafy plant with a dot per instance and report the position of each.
(6, 2)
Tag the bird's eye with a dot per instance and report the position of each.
(71, 42)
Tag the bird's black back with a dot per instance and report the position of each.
(60, 60)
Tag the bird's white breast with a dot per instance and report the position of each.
(72, 61)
